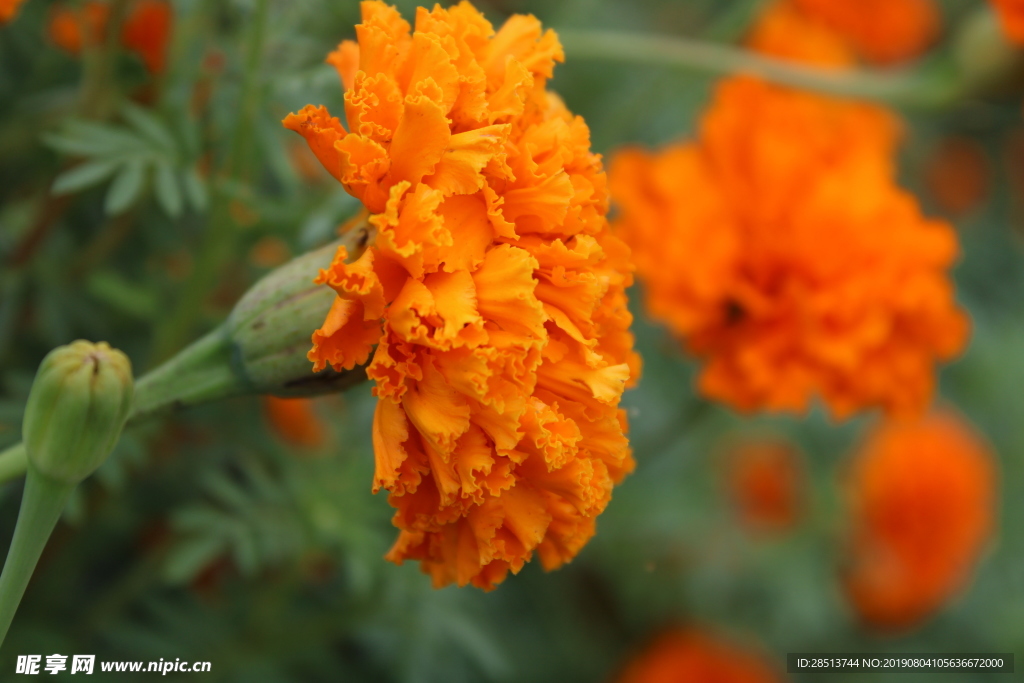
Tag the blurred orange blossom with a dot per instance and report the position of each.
(923, 505)
(690, 656)
(146, 30)
(9, 9)
(879, 31)
(765, 482)
(295, 420)
(778, 246)
(1011, 15)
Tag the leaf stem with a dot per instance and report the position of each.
(917, 86)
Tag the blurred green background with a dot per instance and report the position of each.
(207, 537)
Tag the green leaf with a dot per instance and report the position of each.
(122, 295)
(126, 187)
(168, 192)
(83, 176)
(106, 140)
(195, 189)
(190, 557)
(75, 146)
(151, 127)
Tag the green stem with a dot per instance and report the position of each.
(98, 66)
(200, 373)
(13, 461)
(219, 237)
(41, 505)
(912, 87)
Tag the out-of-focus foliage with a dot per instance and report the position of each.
(135, 209)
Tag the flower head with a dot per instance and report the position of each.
(764, 479)
(493, 290)
(780, 249)
(880, 31)
(680, 655)
(922, 498)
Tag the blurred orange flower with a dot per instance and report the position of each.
(923, 501)
(72, 28)
(9, 9)
(880, 31)
(780, 249)
(1011, 15)
(957, 175)
(494, 291)
(146, 30)
(295, 421)
(689, 656)
(765, 482)
(785, 32)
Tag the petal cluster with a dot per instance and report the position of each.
(684, 655)
(491, 303)
(923, 499)
(778, 246)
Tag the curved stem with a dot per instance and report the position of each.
(41, 505)
(914, 87)
(200, 373)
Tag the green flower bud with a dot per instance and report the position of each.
(76, 410)
(271, 325)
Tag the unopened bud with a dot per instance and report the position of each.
(271, 326)
(76, 410)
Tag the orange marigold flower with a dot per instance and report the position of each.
(785, 32)
(146, 29)
(9, 9)
(295, 420)
(880, 31)
(1011, 16)
(923, 499)
(765, 482)
(493, 291)
(779, 248)
(685, 655)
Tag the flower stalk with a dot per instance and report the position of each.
(926, 85)
(76, 410)
(260, 349)
(41, 506)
